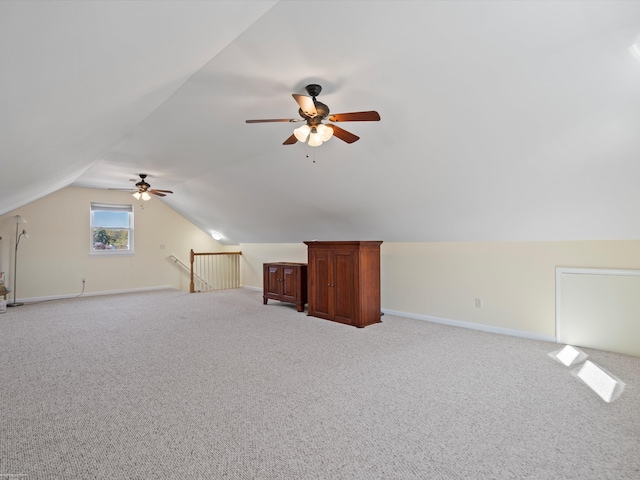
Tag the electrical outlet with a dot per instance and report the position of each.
(478, 303)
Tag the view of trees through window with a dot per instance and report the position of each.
(110, 238)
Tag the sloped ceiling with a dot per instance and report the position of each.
(500, 120)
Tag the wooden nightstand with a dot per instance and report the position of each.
(286, 282)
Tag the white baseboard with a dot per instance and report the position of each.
(473, 326)
(95, 294)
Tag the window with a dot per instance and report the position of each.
(111, 229)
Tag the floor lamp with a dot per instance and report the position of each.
(18, 219)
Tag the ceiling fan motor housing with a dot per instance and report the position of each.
(322, 113)
(142, 185)
(314, 89)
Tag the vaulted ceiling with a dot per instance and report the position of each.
(500, 120)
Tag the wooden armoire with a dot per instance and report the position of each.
(344, 281)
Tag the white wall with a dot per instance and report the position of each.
(258, 253)
(514, 280)
(55, 257)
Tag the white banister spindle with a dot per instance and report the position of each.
(216, 271)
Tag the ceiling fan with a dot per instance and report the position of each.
(143, 189)
(313, 113)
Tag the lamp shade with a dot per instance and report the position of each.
(137, 195)
(301, 133)
(18, 219)
(315, 139)
(145, 196)
(325, 132)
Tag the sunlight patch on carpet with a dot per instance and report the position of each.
(607, 386)
(569, 356)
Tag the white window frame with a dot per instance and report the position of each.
(113, 208)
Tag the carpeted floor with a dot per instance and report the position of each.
(169, 385)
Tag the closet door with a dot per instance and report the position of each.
(599, 308)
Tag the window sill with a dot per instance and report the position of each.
(110, 253)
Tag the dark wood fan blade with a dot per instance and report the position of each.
(343, 135)
(306, 104)
(162, 191)
(266, 120)
(291, 140)
(370, 116)
(156, 192)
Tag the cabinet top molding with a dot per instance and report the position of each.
(344, 242)
(284, 263)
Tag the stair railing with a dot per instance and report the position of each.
(214, 271)
(186, 268)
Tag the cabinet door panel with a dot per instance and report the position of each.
(343, 288)
(322, 290)
(273, 281)
(289, 284)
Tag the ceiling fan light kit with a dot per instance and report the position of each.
(144, 195)
(317, 135)
(314, 112)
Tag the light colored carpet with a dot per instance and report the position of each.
(169, 385)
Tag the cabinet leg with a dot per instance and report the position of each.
(300, 307)
(264, 300)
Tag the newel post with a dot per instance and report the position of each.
(192, 287)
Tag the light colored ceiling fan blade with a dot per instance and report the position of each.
(306, 104)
